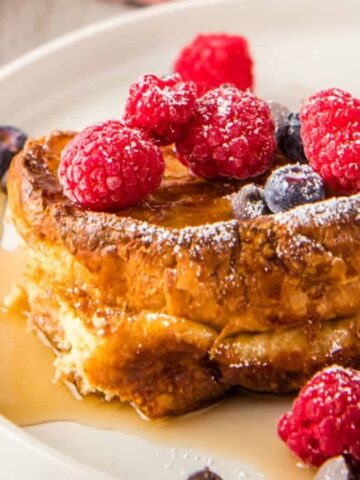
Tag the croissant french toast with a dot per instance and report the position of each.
(169, 304)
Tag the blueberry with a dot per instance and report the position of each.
(339, 468)
(293, 185)
(205, 475)
(289, 141)
(3, 183)
(249, 203)
(11, 142)
(280, 115)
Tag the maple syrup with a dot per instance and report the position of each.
(240, 427)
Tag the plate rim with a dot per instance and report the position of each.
(101, 26)
(27, 446)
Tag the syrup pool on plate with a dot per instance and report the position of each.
(241, 427)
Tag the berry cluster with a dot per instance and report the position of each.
(224, 133)
(220, 129)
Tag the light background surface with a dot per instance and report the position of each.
(25, 24)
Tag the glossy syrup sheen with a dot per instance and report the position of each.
(240, 427)
(182, 200)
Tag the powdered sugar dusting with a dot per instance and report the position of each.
(338, 210)
(322, 215)
(298, 245)
(330, 130)
(149, 234)
(225, 235)
(230, 135)
(219, 237)
(331, 398)
(108, 167)
(160, 106)
(216, 237)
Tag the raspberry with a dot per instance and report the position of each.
(330, 130)
(325, 417)
(109, 166)
(213, 59)
(160, 106)
(231, 134)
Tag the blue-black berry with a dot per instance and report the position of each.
(249, 203)
(205, 475)
(289, 139)
(293, 185)
(11, 142)
(3, 183)
(343, 467)
(280, 115)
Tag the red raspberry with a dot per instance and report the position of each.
(330, 130)
(213, 59)
(109, 166)
(160, 106)
(231, 134)
(325, 418)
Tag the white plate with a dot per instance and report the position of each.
(299, 46)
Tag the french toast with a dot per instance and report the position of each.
(171, 303)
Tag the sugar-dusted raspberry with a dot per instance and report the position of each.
(214, 59)
(160, 106)
(325, 417)
(330, 130)
(109, 166)
(231, 134)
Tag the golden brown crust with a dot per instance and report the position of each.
(284, 359)
(160, 364)
(295, 270)
(248, 276)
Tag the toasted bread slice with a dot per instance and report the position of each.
(169, 303)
